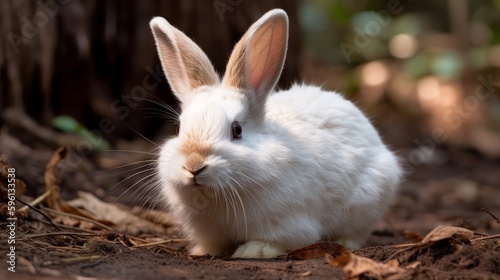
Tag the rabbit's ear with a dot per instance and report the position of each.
(185, 64)
(257, 60)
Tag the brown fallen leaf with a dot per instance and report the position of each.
(54, 201)
(317, 250)
(123, 220)
(4, 176)
(52, 182)
(356, 266)
(413, 236)
(439, 233)
(164, 218)
(9, 185)
(444, 232)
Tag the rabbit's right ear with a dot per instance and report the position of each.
(185, 64)
(257, 60)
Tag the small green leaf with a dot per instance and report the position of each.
(66, 124)
(70, 125)
(97, 142)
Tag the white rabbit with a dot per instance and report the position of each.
(256, 173)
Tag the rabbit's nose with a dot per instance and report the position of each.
(195, 171)
(194, 164)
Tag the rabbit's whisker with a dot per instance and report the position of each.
(252, 180)
(140, 187)
(159, 103)
(145, 164)
(242, 204)
(140, 134)
(131, 151)
(129, 188)
(131, 176)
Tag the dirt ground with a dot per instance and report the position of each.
(452, 193)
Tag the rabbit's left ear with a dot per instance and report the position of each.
(185, 64)
(258, 58)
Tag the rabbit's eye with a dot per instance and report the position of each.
(177, 127)
(236, 130)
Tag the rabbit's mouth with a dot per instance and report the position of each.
(196, 184)
(193, 183)
(194, 175)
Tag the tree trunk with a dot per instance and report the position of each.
(86, 58)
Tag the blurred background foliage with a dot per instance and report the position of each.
(425, 61)
(426, 72)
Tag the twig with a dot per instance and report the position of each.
(485, 238)
(79, 218)
(92, 264)
(401, 251)
(232, 262)
(390, 246)
(40, 244)
(35, 202)
(401, 245)
(72, 260)
(68, 227)
(160, 242)
(26, 206)
(28, 264)
(58, 233)
(407, 247)
(493, 216)
(169, 248)
(121, 241)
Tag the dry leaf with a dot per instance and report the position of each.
(90, 207)
(122, 219)
(355, 266)
(6, 179)
(4, 176)
(156, 217)
(52, 182)
(437, 234)
(317, 250)
(54, 201)
(413, 236)
(444, 232)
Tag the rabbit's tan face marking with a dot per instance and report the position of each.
(194, 161)
(196, 154)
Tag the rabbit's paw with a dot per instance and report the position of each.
(204, 250)
(353, 244)
(257, 249)
(198, 251)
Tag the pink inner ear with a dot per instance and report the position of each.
(258, 58)
(259, 49)
(264, 57)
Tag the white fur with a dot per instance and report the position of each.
(312, 168)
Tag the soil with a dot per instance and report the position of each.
(452, 193)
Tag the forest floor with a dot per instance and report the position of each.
(463, 192)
